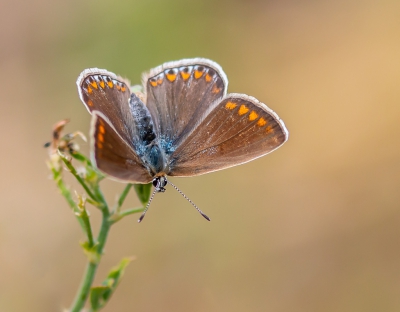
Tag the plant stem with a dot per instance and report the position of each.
(128, 212)
(76, 175)
(66, 193)
(91, 267)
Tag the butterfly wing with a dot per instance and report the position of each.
(178, 92)
(103, 91)
(236, 130)
(115, 131)
(113, 155)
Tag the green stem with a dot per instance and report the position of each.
(82, 158)
(119, 215)
(130, 211)
(66, 193)
(80, 180)
(84, 216)
(91, 267)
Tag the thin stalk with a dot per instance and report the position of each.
(82, 158)
(80, 180)
(84, 216)
(130, 211)
(91, 268)
(66, 193)
(118, 216)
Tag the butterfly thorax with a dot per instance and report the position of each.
(147, 143)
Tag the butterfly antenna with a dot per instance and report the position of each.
(147, 206)
(188, 199)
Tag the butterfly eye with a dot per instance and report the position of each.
(159, 183)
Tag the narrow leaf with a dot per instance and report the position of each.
(96, 297)
(143, 192)
(101, 294)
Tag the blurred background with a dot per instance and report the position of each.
(313, 226)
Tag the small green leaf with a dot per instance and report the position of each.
(83, 216)
(143, 192)
(96, 297)
(101, 294)
(82, 158)
(91, 252)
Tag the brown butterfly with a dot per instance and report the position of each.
(185, 124)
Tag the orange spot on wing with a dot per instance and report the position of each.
(215, 89)
(261, 122)
(269, 129)
(99, 144)
(253, 116)
(90, 103)
(110, 84)
(198, 74)
(118, 86)
(243, 109)
(230, 105)
(94, 84)
(171, 77)
(100, 137)
(185, 75)
(159, 81)
(102, 85)
(102, 129)
(153, 83)
(208, 78)
(123, 88)
(89, 90)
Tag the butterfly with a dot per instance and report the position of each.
(183, 124)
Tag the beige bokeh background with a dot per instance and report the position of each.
(312, 227)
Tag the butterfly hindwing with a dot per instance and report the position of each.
(237, 130)
(178, 93)
(113, 155)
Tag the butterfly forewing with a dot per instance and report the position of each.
(237, 130)
(179, 93)
(113, 155)
(103, 91)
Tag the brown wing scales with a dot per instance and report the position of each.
(238, 130)
(177, 93)
(113, 155)
(103, 91)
